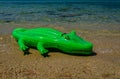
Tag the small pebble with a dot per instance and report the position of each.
(2, 45)
(2, 50)
(1, 38)
(105, 50)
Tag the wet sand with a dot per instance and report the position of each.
(104, 65)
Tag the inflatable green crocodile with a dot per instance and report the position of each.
(43, 38)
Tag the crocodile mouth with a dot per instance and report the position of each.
(82, 51)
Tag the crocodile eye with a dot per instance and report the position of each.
(67, 37)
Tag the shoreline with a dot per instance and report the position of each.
(6, 28)
(95, 22)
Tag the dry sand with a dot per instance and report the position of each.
(105, 65)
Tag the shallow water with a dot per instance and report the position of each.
(85, 15)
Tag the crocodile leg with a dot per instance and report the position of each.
(43, 51)
(21, 44)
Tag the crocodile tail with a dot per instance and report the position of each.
(18, 32)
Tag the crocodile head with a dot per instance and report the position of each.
(71, 43)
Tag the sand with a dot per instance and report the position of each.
(104, 65)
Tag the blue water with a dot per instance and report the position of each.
(60, 12)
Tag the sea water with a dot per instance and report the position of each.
(85, 15)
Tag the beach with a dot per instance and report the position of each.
(100, 26)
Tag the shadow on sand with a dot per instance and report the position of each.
(52, 50)
(60, 51)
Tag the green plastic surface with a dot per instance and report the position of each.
(43, 38)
